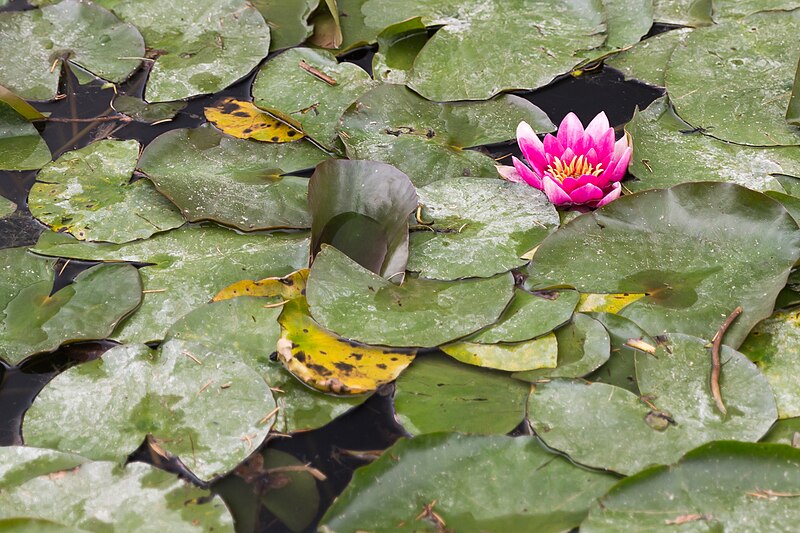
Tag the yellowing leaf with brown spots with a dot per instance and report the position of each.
(244, 120)
(286, 288)
(330, 363)
(606, 303)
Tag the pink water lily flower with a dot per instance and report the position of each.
(576, 166)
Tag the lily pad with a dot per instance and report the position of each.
(91, 495)
(732, 9)
(355, 303)
(628, 21)
(530, 315)
(583, 346)
(785, 431)
(536, 353)
(692, 248)
(362, 209)
(793, 110)
(286, 288)
(773, 346)
(90, 308)
(189, 266)
(480, 227)
(460, 61)
(669, 151)
(7, 207)
(288, 21)
(439, 394)
(399, 45)
(198, 45)
(471, 483)
(201, 406)
(390, 122)
(620, 369)
(725, 486)
(329, 363)
(692, 13)
(141, 111)
(751, 64)
(83, 33)
(647, 60)
(236, 182)
(21, 147)
(20, 269)
(243, 120)
(88, 193)
(311, 87)
(608, 427)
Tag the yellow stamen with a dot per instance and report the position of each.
(576, 168)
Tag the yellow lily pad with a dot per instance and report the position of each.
(286, 288)
(244, 120)
(541, 352)
(329, 363)
(607, 303)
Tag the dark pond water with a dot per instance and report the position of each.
(368, 428)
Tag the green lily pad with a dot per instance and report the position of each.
(438, 394)
(362, 209)
(7, 207)
(692, 248)
(647, 60)
(692, 13)
(477, 483)
(288, 21)
(92, 496)
(83, 33)
(460, 61)
(737, 9)
(245, 330)
(35, 525)
(628, 21)
(583, 346)
(608, 427)
(773, 346)
(311, 87)
(785, 431)
(530, 315)
(669, 152)
(235, 182)
(139, 110)
(90, 308)
(20, 269)
(722, 486)
(480, 227)
(355, 303)
(21, 147)
(398, 47)
(541, 352)
(88, 193)
(202, 406)
(793, 110)
(390, 122)
(198, 45)
(189, 266)
(751, 64)
(351, 19)
(620, 369)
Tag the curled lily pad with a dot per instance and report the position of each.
(84, 495)
(727, 486)
(37, 320)
(202, 406)
(536, 353)
(355, 303)
(21, 147)
(390, 122)
(188, 267)
(311, 87)
(477, 227)
(669, 151)
(609, 427)
(527, 489)
(288, 21)
(439, 394)
(236, 182)
(691, 248)
(84, 33)
(329, 363)
(751, 63)
(198, 45)
(362, 209)
(88, 192)
(773, 346)
(399, 45)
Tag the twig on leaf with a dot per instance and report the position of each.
(318, 73)
(716, 366)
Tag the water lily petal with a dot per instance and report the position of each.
(528, 176)
(532, 148)
(620, 146)
(570, 184)
(570, 131)
(552, 147)
(613, 195)
(554, 191)
(586, 194)
(616, 169)
(598, 127)
(509, 173)
(591, 157)
(605, 144)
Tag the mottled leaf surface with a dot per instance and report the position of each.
(21, 147)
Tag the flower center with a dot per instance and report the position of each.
(578, 167)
